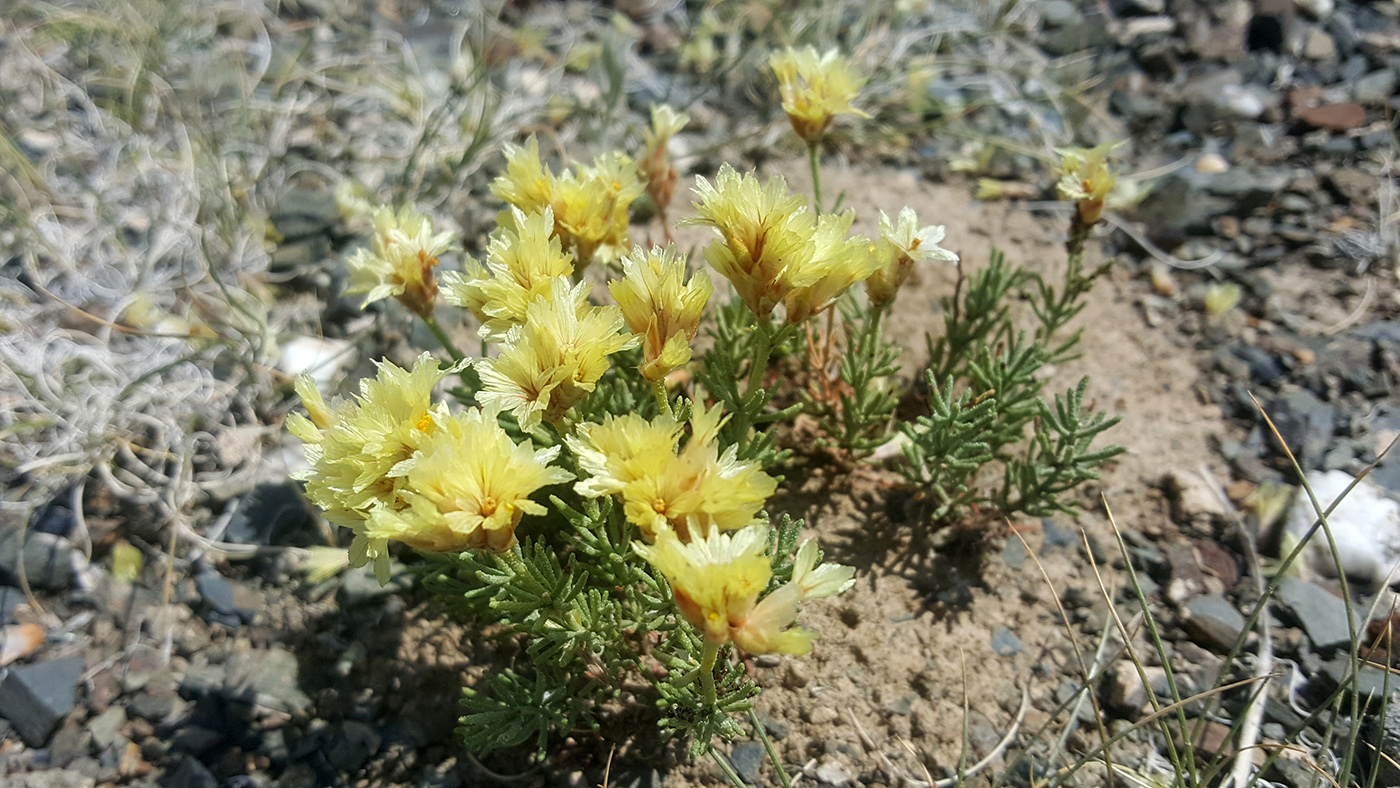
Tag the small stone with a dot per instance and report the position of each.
(1315, 8)
(1213, 622)
(36, 698)
(834, 773)
(195, 740)
(820, 715)
(273, 514)
(746, 758)
(352, 746)
(1125, 693)
(105, 726)
(796, 675)
(360, 588)
(1005, 643)
(1193, 502)
(1319, 46)
(1334, 117)
(267, 678)
(1322, 616)
(54, 778)
(1014, 554)
(1058, 13)
(153, 706)
(1375, 88)
(777, 729)
(70, 743)
(50, 562)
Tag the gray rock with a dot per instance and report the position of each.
(10, 598)
(36, 698)
(153, 705)
(747, 758)
(68, 745)
(1317, 45)
(1058, 13)
(1304, 422)
(1212, 621)
(54, 778)
(50, 562)
(1005, 643)
(265, 678)
(195, 739)
(1322, 615)
(1376, 87)
(360, 588)
(834, 773)
(105, 726)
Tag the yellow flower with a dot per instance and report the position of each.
(717, 581)
(400, 260)
(834, 264)
(355, 450)
(660, 308)
(590, 203)
(467, 487)
(523, 263)
(685, 492)
(900, 247)
(762, 230)
(773, 250)
(815, 89)
(526, 184)
(1086, 178)
(661, 175)
(554, 359)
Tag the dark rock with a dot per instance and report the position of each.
(1212, 621)
(36, 698)
(776, 728)
(49, 561)
(1247, 191)
(273, 514)
(1005, 643)
(1266, 32)
(195, 739)
(1176, 203)
(747, 758)
(1262, 367)
(350, 747)
(1304, 422)
(1322, 615)
(191, 774)
(304, 212)
(10, 598)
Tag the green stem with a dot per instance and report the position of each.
(443, 338)
(814, 157)
(728, 770)
(707, 672)
(762, 350)
(768, 745)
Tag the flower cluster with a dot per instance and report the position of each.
(1086, 178)
(392, 464)
(589, 203)
(554, 358)
(399, 261)
(900, 247)
(523, 263)
(660, 307)
(775, 251)
(717, 581)
(684, 492)
(815, 89)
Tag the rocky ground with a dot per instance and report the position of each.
(1256, 260)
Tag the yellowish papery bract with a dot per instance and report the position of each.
(900, 247)
(684, 492)
(661, 175)
(357, 450)
(815, 89)
(773, 250)
(835, 263)
(523, 263)
(590, 204)
(660, 307)
(1086, 178)
(467, 487)
(717, 581)
(554, 359)
(399, 261)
